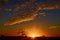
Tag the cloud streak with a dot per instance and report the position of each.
(32, 13)
(52, 27)
(47, 6)
(21, 18)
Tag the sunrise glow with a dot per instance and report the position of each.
(33, 33)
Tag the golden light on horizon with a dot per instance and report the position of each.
(33, 36)
(33, 33)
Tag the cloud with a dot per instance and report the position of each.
(43, 14)
(21, 18)
(30, 14)
(52, 27)
(48, 6)
(21, 6)
(40, 6)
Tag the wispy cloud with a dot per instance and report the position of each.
(47, 6)
(21, 18)
(43, 14)
(32, 13)
(52, 27)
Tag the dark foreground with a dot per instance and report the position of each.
(27, 38)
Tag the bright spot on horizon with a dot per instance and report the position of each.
(33, 33)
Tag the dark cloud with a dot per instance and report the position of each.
(30, 15)
(47, 6)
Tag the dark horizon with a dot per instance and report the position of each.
(28, 38)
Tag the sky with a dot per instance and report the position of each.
(39, 16)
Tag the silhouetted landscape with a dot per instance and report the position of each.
(27, 38)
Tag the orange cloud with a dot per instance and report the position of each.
(43, 14)
(30, 15)
(21, 18)
(52, 27)
(21, 6)
(47, 6)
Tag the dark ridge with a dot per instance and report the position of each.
(27, 38)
